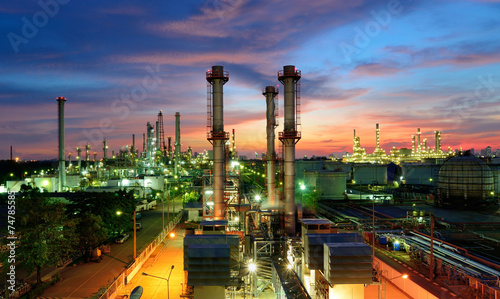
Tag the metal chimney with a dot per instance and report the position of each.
(289, 77)
(270, 93)
(377, 138)
(217, 77)
(62, 162)
(169, 147)
(105, 149)
(177, 144)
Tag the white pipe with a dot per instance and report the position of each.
(270, 94)
(62, 162)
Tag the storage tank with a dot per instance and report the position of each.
(465, 181)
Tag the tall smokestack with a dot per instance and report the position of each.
(289, 77)
(62, 162)
(149, 141)
(177, 153)
(377, 138)
(217, 77)
(105, 149)
(270, 93)
(169, 147)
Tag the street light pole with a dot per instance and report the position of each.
(167, 279)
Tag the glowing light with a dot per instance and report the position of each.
(45, 183)
(172, 235)
(252, 267)
(289, 266)
(257, 197)
(405, 276)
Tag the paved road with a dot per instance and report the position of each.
(85, 280)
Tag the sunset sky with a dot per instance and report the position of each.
(406, 64)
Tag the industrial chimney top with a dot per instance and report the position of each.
(269, 89)
(217, 72)
(61, 99)
(289, 71)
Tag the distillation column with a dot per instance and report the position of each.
(437, 140)
(377, 138)
(418, 141)
(177, 150)
(62, 161)
(217, 77)
(289, 77)
(270, 93)
(79, 150)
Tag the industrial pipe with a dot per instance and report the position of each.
(270, 93)
(62, 162)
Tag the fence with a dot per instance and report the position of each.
(129, 273)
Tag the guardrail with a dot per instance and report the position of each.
(128, 274)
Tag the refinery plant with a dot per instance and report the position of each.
(363, 226)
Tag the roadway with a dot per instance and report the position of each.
(86, 279)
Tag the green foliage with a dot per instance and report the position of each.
(308, 198)
(105, 205)
(192, 196)
(46, 235)
(91, 233)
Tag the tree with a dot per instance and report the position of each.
(91, 233)
(104, 205)
(46, 235)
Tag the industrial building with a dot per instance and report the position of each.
(339, 248)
